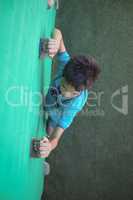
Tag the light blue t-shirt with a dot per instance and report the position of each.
(62, 110)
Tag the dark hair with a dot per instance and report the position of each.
(80, 70)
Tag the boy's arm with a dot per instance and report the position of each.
(62, 46)
(55, 137)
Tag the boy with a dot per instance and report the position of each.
(68, 92)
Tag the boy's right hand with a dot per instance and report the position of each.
(54, 43)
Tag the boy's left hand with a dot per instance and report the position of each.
(54, 43)
(45, 148)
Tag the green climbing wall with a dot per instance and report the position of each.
(22, 79)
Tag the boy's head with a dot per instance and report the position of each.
(79, 73)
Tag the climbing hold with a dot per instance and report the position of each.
(34, 152)
(43, 48)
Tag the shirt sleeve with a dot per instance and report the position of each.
(71, 111)
(62, 59)
(67, 117)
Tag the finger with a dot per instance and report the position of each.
(44, 156)
(44, 144)
(44, 153)
(43, 148)
(52, 44)
(52, 51)
(52, 40)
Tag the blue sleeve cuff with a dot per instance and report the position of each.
(64, 125)
(63, 56)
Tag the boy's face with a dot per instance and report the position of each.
(68, 90)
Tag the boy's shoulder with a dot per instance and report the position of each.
(79, 101)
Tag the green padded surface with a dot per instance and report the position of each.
(22, 75)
